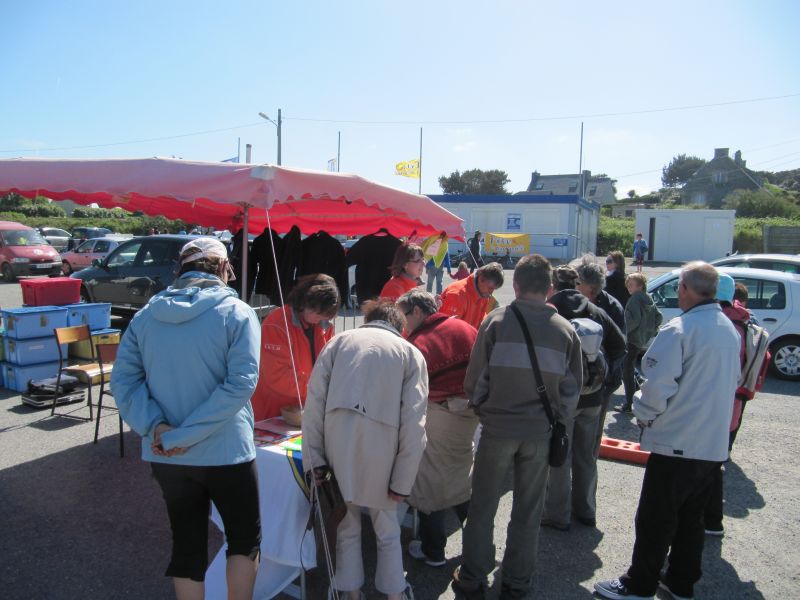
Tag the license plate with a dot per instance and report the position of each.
(43, 266)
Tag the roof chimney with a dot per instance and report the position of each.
(720, 152)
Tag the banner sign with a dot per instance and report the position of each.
(518, 244)
(408, 168)
(560, 241)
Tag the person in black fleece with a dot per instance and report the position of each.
(372, 255)
(580, 470)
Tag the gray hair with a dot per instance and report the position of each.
(418, 297)
(701, 278)
(590, 272)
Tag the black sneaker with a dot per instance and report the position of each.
(675, 596)
(472, 591)
(614, 589)
(509, 593)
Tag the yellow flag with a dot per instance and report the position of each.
(409, 168)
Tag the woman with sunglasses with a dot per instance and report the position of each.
(406, 269)
(615, 277)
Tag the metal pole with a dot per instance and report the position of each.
(245, 250)
(279, 136)
(238, 150)
(339, 153)
(580, 162)
(420, 161)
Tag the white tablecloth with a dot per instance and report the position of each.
(286, 546)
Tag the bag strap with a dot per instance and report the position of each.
(535, 364)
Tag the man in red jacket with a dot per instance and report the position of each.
(443, 480)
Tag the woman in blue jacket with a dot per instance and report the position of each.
(184, 374)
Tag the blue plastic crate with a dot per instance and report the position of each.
(33, 321)
(17, 376)
(97, 315)
(33, 351)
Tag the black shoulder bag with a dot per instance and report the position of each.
(559, 442)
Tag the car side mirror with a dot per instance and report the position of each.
(97, 262)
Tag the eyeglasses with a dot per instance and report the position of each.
(609, 261)
(409, 311)
(417, 260)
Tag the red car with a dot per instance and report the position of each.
(23, 251)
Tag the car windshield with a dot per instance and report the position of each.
(23, 237)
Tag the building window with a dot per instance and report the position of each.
(573, 188)
(593, 190)
(539, 186)
(719, 177)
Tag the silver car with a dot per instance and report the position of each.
(57, 238)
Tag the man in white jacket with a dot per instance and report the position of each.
(684, 410)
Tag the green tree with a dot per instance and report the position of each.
(680, 169)
(761, 204)
(475, 182)
(631, 194)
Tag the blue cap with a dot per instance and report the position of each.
(725, 288)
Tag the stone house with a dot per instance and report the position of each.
(717, 178)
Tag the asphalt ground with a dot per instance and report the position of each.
(78, 521)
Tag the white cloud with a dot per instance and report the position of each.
(466, 146)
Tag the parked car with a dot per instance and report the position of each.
(133, 272)
(774, 299)
(79, 234)
(57, 238)
(84, 255)
(787, 263)
(23, 251)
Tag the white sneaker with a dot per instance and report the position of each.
(415, 550)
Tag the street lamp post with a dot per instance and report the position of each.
(278, 125)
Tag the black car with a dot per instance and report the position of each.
(131, 274)
(79, 234)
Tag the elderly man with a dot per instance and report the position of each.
(684, 409)
(471, 299)
(516, 430)
(591, 282)
(365, 421)
(443, 480)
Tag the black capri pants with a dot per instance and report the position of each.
(188, 492)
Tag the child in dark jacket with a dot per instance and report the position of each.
(642, 320)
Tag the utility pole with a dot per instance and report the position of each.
(339, 153)
(279, 136)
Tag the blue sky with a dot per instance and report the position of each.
(501, 84)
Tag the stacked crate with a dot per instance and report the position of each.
(98, 317)
(29, 344)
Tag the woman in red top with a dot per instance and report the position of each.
(406, 269)
(312, 303)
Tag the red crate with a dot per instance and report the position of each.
(53, 291)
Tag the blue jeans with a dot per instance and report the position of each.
(438, 274)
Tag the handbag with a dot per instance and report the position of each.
(333, 509)
(559, 441)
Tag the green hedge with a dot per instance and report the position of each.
(130, 224)
(618, 234)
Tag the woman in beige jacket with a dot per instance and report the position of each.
(365, 420)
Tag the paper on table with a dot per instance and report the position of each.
(277, 425)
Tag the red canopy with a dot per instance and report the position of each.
(213, 194)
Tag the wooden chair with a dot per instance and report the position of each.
(106, 355)
(86, 374)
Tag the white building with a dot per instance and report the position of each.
(684, 235)
(560, 227)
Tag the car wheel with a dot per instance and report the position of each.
(66, 268)
(785, 361)
(8, 273)
(85, 299)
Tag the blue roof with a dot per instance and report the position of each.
(514, 199)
